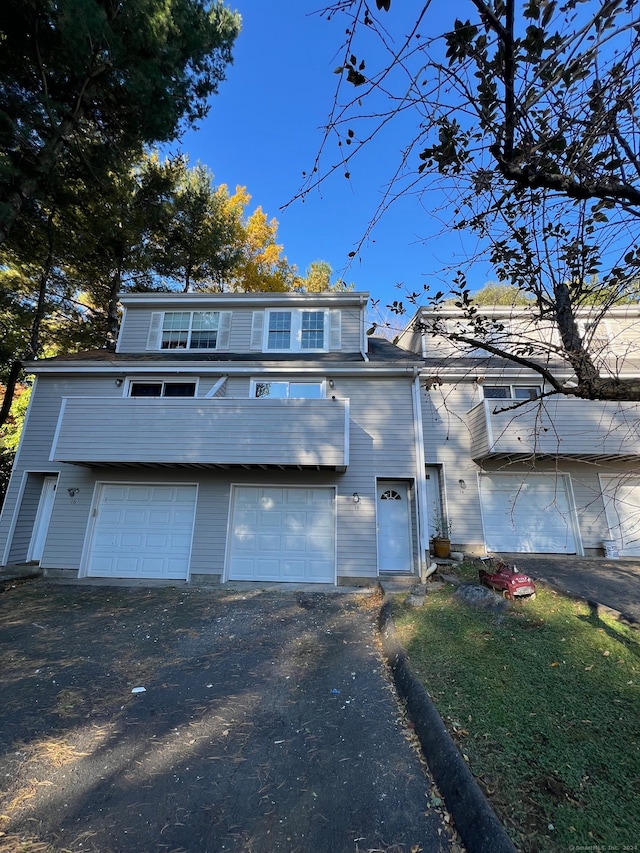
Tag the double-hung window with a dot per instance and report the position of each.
(296, 330)
(190, 330)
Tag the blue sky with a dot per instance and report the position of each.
(263, 132)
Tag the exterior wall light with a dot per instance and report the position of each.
(356, 498)
(119, 382)
(73, 492)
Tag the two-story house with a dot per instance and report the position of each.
(519, 472)
(228, 437)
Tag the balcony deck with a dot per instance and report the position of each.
(217, 432)
(557, 427)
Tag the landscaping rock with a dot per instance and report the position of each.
(417, 595)
(478, 596)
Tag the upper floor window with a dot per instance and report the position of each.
(296, 330)
(309, 390)
(160, 388)
(189, 330)
(511, 392)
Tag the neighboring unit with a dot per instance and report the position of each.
(520, 472)
(246, 437)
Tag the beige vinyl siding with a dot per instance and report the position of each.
(24, 527)
(624, 336)
(240, 340)
(448, 444)
(137, 321)
(135, 330)
(382, 446)
(33, 456)
(557, 425)
(222, 430)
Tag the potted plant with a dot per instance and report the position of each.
(441, 537)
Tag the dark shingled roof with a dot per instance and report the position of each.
(380, 350)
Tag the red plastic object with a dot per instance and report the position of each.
(508, 580)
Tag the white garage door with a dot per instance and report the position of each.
(530, 515)
(622, 507)
(282, 534)
(143, 531)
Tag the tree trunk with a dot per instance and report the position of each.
(12, 381)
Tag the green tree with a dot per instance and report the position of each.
(524, 132)
(103, 78)
(494, 293)
(198, 243)
(318, 279)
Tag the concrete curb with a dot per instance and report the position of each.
(14, 573)
(476, 822)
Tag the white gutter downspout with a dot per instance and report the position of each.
(421, 475)
(363, 331)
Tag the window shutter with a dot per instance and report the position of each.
(155, 327)
(335, 330)
(257, 327)
(224, 330)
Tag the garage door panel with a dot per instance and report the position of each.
(530, 515)
(294, 570)
(143, 531)
(269, 542)
(622, 508)
(132, 540)
(293, 528)
(294, 543)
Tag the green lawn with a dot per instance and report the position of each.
(544, 703)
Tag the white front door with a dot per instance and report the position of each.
(394, 527)
(622, 507)
(527, 513)
(143, 530)
(43, 517)
(283, 533)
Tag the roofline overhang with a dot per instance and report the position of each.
(473, 375)
(366, 368)
(621, 311)
(261, 300)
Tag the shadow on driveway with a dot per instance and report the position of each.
(266, 723)
(613, 583)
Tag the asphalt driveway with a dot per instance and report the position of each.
(612, 583)
(266, 723)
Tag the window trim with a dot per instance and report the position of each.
(511, 386)
(164, 380)
(263, 379)
(156, 329)
(295, 342)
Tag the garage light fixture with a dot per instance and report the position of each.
(356, 498)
